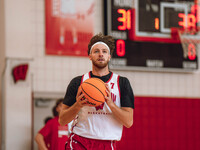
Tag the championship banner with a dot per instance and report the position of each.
(69, 26)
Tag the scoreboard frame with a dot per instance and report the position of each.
(145, 52)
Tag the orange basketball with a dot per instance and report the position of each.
(94, 90)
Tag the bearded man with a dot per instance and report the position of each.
(100, 129)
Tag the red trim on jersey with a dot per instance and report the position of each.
(118, 87)
(74, 120)
(82, 79)
(90, 74)
(110, 77)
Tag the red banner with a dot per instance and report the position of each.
(69, 26)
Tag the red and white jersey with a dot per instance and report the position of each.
(98, 122)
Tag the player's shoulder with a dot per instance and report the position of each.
(124, 82)
(74, 83)
(76, 80)
(123, 79)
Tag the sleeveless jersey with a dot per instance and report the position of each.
(98, 122)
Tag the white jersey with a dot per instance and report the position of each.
(98, 122)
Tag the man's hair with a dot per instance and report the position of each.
(55, 113)
(47, 119)
(103, 38)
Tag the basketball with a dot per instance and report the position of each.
(94, 90)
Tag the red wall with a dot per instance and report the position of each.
(163, 124)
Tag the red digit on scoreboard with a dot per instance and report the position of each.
(191, 51)
(120, 48)
(195, 11)
(191, 20)
(125, 19)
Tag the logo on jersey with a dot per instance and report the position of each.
(113, 97)
(100, 107)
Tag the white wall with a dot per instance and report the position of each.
(51, 74)
(2, 57)
(17, 110)
(165, 84)
(19, 28)
(17, 96)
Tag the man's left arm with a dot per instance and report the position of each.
(124, 114)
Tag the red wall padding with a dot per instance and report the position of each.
(163, 124)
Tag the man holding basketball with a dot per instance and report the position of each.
(97, 128)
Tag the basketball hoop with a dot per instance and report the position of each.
(190, 41)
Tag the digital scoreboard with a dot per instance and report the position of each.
(144, 37)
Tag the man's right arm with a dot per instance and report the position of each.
(67, 113)
(39, 138)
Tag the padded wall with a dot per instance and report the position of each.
(163, 124)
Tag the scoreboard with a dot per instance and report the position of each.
(144, 37)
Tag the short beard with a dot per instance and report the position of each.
(100, 66)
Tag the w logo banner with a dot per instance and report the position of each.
(19, 72)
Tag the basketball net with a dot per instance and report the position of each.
(190, 41)
(190, 37)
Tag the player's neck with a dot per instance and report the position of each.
(100, 72)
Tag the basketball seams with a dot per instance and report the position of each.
(95, 87)
(95, 84)
(89, 95)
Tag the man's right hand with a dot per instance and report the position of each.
(80, 98)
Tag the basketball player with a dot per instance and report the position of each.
(98, 128)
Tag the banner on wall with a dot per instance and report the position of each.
(69, 26)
